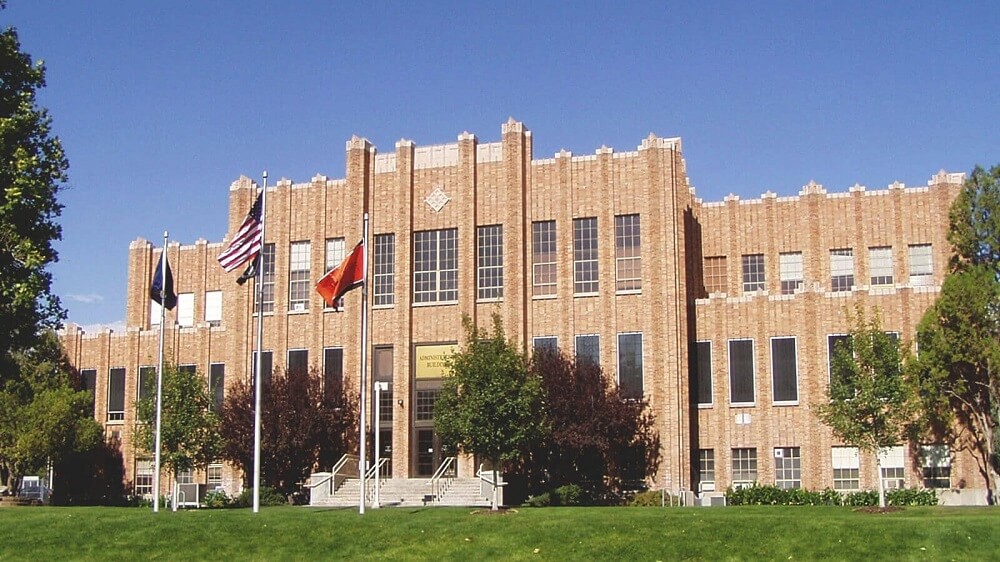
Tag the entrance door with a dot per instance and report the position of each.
(385, 443)
(428, 457)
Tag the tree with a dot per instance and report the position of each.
(870, 402)
(32, 171)
(303, 426)
(491, 405)
(959, 336)
(596, 438)
(42, 418)
(189, 428)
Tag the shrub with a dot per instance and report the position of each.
(862, 498)
(541, 500)
(570, 494)
(268, 497)
(911, 496)
(216, 499)
(649, 498)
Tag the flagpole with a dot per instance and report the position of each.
(363, 457)
(258, 387)
(159, 374)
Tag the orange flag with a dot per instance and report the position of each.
(346, 276)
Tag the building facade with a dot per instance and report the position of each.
(721, 314)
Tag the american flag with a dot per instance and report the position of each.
(247, 242)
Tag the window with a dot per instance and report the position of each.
(545, 343)
(490, 262)
(630, 365)
(628, 260)
(217, 385)
(213, 308)
(787, 468)
(190, 369)
(298, 277)
(298, 361)
(185, 310)
(753, 273)
(267, 278)
(716, 274)
(838, 343)
(435, 266)
(213, 475)
(185, 476)
(334, 257)
(706, 470)
(893, 464)
(937, 466)
(741, 372)
(116, 394)
(88, 380)
(154, 313)
(790, 272)
(146, 385)
(143, 481)
(880, 265)
(333, 370)
(588, 350)
(921, 265)
(266, 359)
(385, 269)
(383, 373)
(543, 258)
(425, 404)
(744, 467)
(784, 371)
(841, 269)
(846, 468)
(703, 372)
(585, 256)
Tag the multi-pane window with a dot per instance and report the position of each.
(846, 468)
(716, 274)
(937, 466)
(88, 378)
(435, 266)
(893, 462)
(630, 365)
(267, 365)
(702, 362)
(267, 277)
(143, 481)
(213, 308)
(753, 273)
(425, 404)
(585, 256)
(588, 350)
(298, 361)
(545, 343)
(841, 269)
(543, 258)
(790, 272)
(185, 310)
(333, 370)
(741, 372)
(706, 470)
(489, 268)
(744, 466)
(116, 394)
(784, 370)
(217, 385)
(188, 369)
(213, 475)
(334, 257)
(628, 260)
(385, 269)
(298, 276)
(921, 265)
(146, 386)
(787, 467)
(880, 265)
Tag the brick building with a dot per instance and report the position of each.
(721, 314)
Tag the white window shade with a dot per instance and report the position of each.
(185, 310)
(213, 307)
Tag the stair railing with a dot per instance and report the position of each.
(343, 470)
(490, 481)
(442, 478)
(370, 478)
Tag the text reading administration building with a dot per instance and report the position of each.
(721, 314)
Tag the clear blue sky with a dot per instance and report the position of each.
(161, 105)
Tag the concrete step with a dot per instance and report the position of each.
(409, 492)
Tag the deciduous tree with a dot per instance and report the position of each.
(491, 405)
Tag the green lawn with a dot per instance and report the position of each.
(296, 533)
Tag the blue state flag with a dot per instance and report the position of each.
(163, 293)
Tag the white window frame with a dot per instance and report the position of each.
(213, 475)
(543, 273)
(842, 277)
(790, 477)
(267, 264)
(535, 340)
(729, 369)
(628, 254)
(299, 276)
(715, 268)
(921, 264)
(880, 267)
(776, 402)
(435, 267)
(711, 374)
(935, 457)
(185, 310)
(586, 266)
(846, 464)
(893, 463)
(790, 272)
(740, 468)
(335, 249)
(142, 479)
(754, 272)
(705, 484)
(213, 308)
(489, 263)
(384, 276)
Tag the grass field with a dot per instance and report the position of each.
(296, 533)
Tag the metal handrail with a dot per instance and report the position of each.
(439, 474)
(369, 478)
